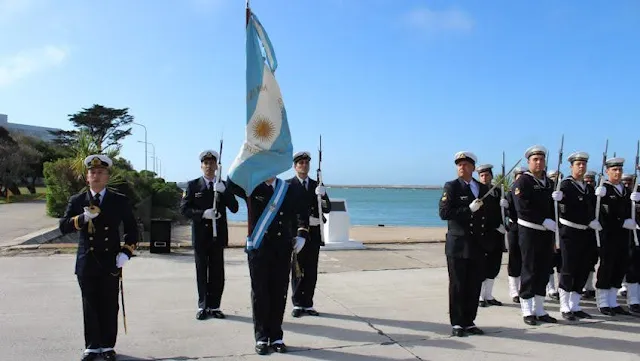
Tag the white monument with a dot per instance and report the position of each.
(336, 230)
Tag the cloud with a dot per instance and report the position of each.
(440, 20)
(11, 8)
(28, 62)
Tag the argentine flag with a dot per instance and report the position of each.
(267, 150)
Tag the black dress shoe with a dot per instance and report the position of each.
(483, 304)
(546, 318)
(262, 349)
(635, 308)
(458, 332)
(530, 320)
(474, 331)
(312, 313)
(495, 302)
(620, 311)
(607, 311)
(201, 315)
(589, 295)
(555, 296)
(217, 314)
(581, 314)
(516, 299)
(296, 312)
(109, 355)
(569, 316)
(89, 356)
(279, 347)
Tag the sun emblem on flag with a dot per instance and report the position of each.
(263, 129)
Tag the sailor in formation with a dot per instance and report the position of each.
(494, 236)
(534, 206)
(633, 271)
(576, 208)
(552, 291)
(514, 265)
(589, 290)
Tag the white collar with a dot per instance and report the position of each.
(102, 192)
(207, 180)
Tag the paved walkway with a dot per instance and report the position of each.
(383, 303)
(19, 221)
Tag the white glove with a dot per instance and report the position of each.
(321, 191)
(88, 215)
(219, 187)
(557, 195)
(300, 241)
(629, 224)
(601, 191)
(549, 224)
(504, 203)
(635, 196)
(501, 229)
(595, 225)
(475, 205)
(208, 214)
(121, 259)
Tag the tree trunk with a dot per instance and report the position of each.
(14, 189)
(32, 185)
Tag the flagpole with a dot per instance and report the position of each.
(248, 13)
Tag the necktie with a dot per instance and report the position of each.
(304, 182)
(96, 199)
(211, 186)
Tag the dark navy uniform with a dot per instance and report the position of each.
(614, 244)
(494, 242)
(269, 265)
(208, 252)
(303, 288)
(535, 210)
(465, 248)
(589, 290)
(99, 247)
(514, 265)
(556, 263)
(577, 240)
(633, 273)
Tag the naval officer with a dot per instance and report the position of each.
(97, 215)
(198, 205)
(466, 218)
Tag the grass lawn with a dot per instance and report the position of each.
(41, 193)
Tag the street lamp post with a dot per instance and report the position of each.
(145, 145)
(154, 152)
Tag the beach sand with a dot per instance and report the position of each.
(365, 234)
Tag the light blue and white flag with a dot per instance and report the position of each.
(267, 150)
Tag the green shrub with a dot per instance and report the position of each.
(62, 182)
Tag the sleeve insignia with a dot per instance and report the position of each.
(517, 191)
(444, 196)
(184, 194)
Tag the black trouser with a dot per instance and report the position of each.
(209, 274)
(492, 263)
(536, 248)
(269, 268)
(576, 247)
(514, 267)
(556, 262)
(304, 288)
(614, 259)
(633, 271)
(465, 283)
(100, 310)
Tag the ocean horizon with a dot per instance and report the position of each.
(380, 205)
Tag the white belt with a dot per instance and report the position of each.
(531, 225)
(313, 221)
(573, 225)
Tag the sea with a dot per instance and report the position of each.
(380, 206)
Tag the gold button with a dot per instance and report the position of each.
(106, 238)
(279, 234)
(91, 238)
(106, 228)
(206, 224)
(281, 213)
(106, 249)
(279, 222)
(90, 248)
(483, 226)
(470, 224)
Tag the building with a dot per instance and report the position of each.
(30, 130)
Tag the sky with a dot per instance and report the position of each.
(395, 87)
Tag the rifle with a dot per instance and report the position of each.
(215, 194)
(635, 189)
(319, 176)
(558, 180)
(600, 182)
(497, 184)
(504, 221)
